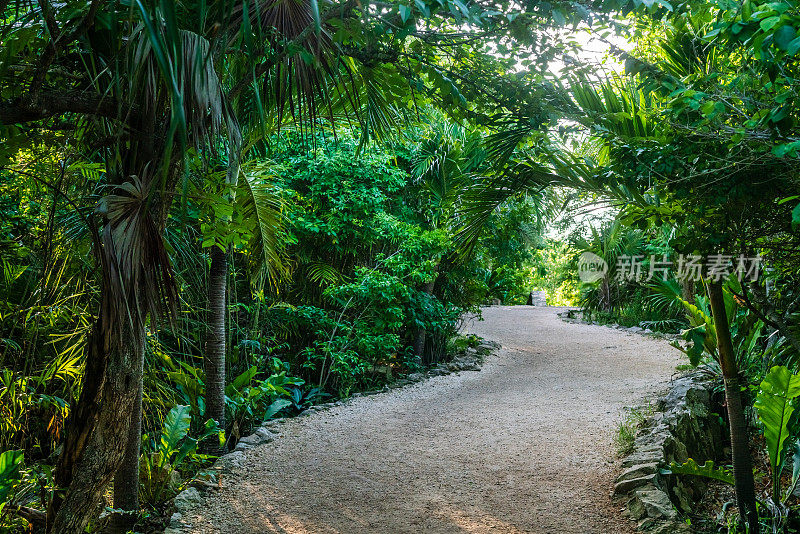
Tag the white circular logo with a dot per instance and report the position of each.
(591, 267)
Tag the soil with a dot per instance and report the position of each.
(524, 445)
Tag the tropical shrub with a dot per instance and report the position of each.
(167, 453)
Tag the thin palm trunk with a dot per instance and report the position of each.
(421, 336)
(126, 479)
(214, 356)
(740, 449)
(687, 290)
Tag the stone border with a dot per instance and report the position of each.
(470, 360)
(685, 426)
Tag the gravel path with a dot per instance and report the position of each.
(525, 445)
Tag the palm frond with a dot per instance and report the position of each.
(259, 200)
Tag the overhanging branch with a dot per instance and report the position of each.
(49, 103)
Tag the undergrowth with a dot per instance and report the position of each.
(629, 428)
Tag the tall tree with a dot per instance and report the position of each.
(138, 86)
(447, 161)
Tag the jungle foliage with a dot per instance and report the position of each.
(217, 213)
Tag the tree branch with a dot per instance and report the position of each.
(773, 321)
(48, 103)
(59, 39)
(37, 518)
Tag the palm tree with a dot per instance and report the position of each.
(255, 200)
(145, 90)
(447, 161)
(164, 102)
(619, 116)
(329, 84)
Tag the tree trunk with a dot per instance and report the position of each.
(126, 479)
(214, 356)
(98, 428)
(419, 339)
(605, 294)
(740, 449)
(687, 290)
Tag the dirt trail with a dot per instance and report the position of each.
(525, 445)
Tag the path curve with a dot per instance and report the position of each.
(525, 445)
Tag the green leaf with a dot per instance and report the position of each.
(176, 426)
(697, 336)
(275, 407)
(423, 8)
(784, 37)
(10, 462)
(708, 108)
(796, 217)
(793, 47)
(769, 23)
(315, 14)
(788, 199)
(706, 470)
(775, 408)
(189, 446)
(795, 470)
(405, 13)
(241, 381)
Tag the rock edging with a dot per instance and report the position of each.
(470, 360)
(685, 426)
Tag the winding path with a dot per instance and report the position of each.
(525, 445)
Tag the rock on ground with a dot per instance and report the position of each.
(525, 445)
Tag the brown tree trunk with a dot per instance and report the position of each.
(419, 339)
(605, 294)
(126, 479)
(214, 356)
(98, 428)
(740, 449)
(687, 289)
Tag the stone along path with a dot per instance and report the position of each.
(525, 445)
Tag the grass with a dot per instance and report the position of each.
(629, 428)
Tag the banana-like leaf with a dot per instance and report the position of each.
(775, 407)
(176, 426)
(241, 381)
(707, 470)
(10, 462)
(275, 407)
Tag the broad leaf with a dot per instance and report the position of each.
(10, 462)
(275, 407)
(707, 470)
(796, 217)
(775, 408)
(241, 381)
(176, 426)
